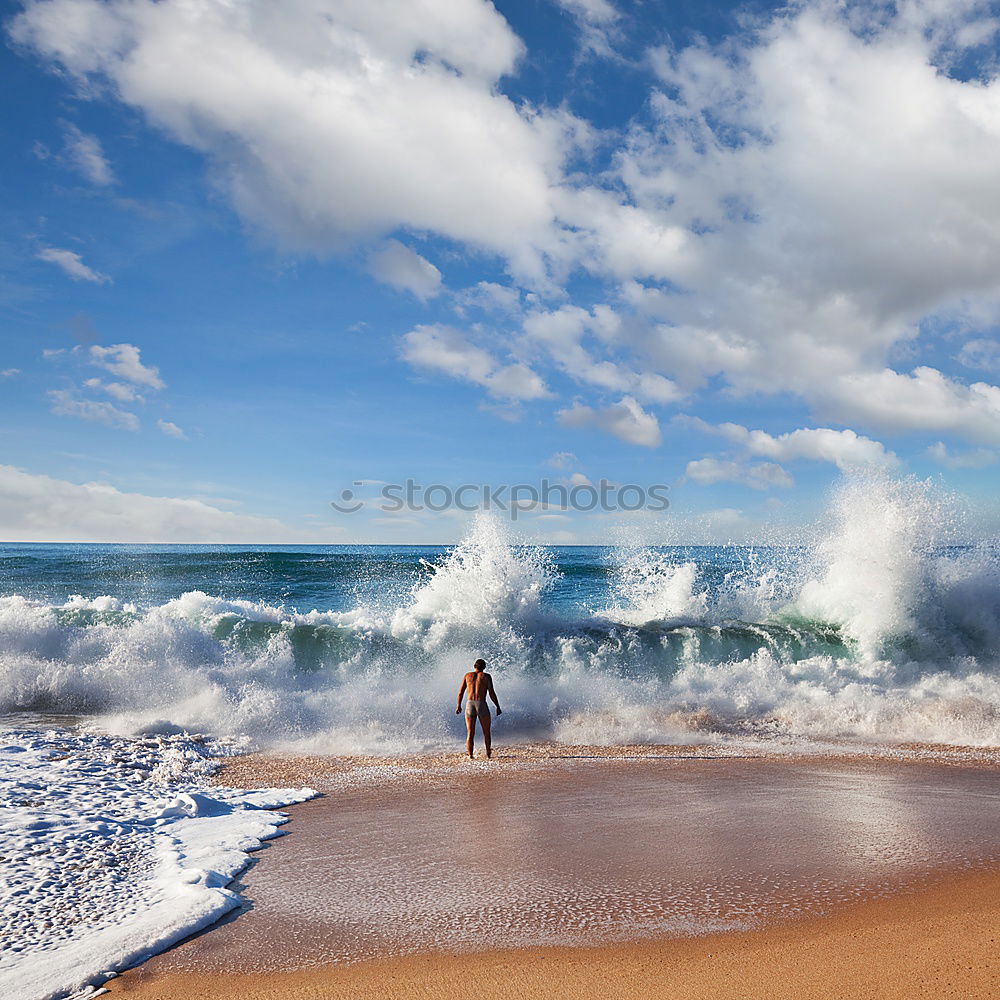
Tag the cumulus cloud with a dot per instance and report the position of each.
(85, 153)
(444, 349)
(572, 336)
(982, 354)
(405, 270)
(762, 476)
(171, 429)
(823, 220)
(626, 420)
(72, 265)
(844, 448)
(124, 361)
(488, 296)
(926, 399)
(119, 390)
(40, 508)
(754, 236)
(331, 120)
(66, 404)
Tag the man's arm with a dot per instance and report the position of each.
(461, 691)
(492, 693)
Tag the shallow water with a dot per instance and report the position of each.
(584, 852)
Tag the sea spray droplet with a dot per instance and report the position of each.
(484, 584)
(875, 573)
(651, 586)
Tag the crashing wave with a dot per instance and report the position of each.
(883, 630)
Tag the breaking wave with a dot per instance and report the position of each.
(884, 630)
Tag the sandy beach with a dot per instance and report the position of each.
(591, 876)
(941, 942)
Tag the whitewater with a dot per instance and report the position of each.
(884, 629)
(112, 850)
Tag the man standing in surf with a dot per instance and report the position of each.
(477, 684)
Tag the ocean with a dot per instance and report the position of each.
(884, 629)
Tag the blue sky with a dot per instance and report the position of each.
(255, 253)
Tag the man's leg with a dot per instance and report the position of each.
(470, 721)
(484, 721)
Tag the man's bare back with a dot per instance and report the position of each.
(477, 685)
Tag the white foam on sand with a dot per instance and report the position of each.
(113, 849)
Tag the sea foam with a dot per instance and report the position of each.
(113, 850)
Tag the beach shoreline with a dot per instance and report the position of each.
(274, 768)
(912, 929)
(940, 942)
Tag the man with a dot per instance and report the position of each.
(477, 684)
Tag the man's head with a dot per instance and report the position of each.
(479, 665)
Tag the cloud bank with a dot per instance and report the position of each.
(800, 209)
(40, 508)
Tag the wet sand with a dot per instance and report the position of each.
(601, 877)
(937, 944)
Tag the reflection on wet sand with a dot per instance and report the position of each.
(589, 851)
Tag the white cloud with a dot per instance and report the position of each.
(626, 420)
(762, 476)
(405, 270)
(65, 404)
(977, 459)
(843, 448)
(823, 220)
(124, 361)
(982, 354)
(516, 381)
(119, 390)
(331, 120)
(926, 399)
(655, 388)
(40, 508)
(758, 237)
(488, 296)
(596, 21)
(444, 349)
(10, 372)
(85, 153)
(562, 333)
(171, 429)
(72, 265)
(809, 243)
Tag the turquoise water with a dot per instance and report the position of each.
(332, 577)
(878, 632)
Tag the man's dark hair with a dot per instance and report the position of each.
(480, 665)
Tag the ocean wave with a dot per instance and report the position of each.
(883, 630)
